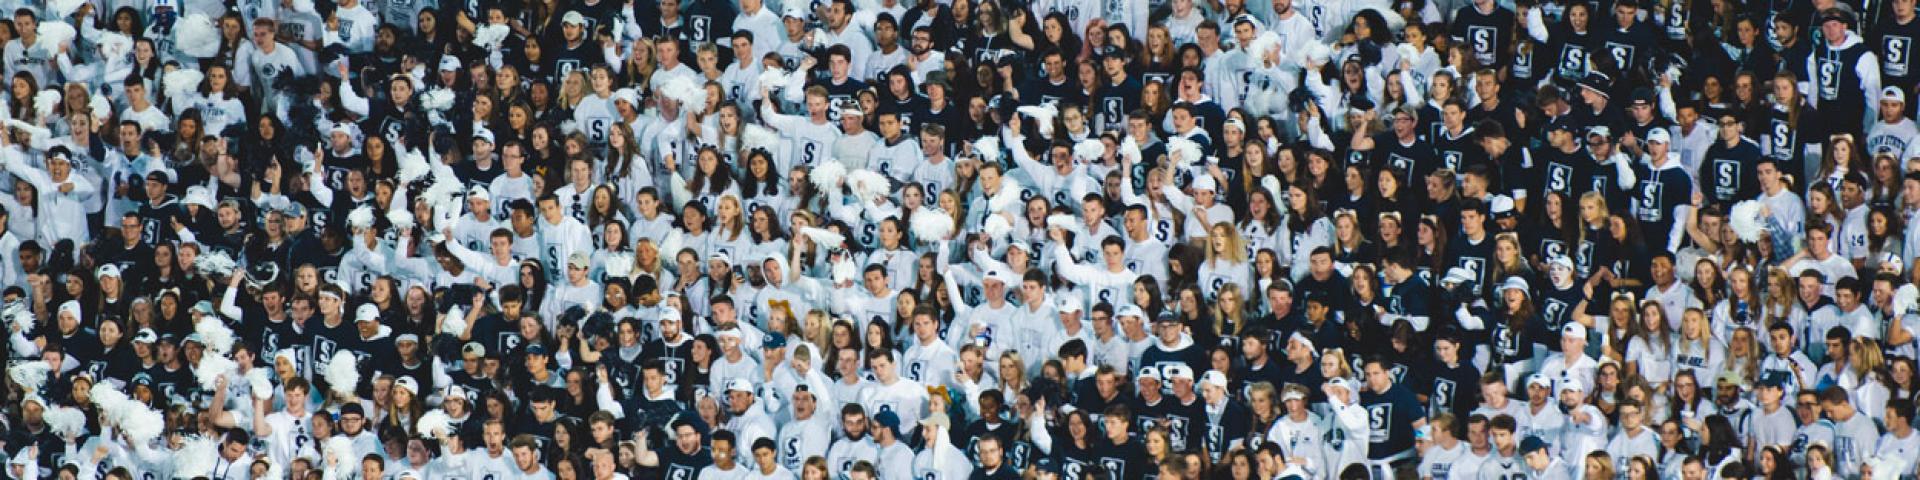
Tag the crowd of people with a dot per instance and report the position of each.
(960, 239)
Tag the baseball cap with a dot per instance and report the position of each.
(886, 418)
(473, 348)
(937, 419)
(449, 63)
(1659, 135)
(1130, 310)
(1149, 372)
(1501, 206)
(997, 274)
(145, 335)
(406, 337)
(1178, 371)
(1068, 303)
(366, 312)
(579, 260)
(1539, 380)
(774, 340)
(574, 17)
(1532, 444)
(537, 349)
(1167, 317)
(1599, 131)
(482, 133)
(107, 270)
(795, 11)
(1204, 183)
(1574, 330)
(1214, 378)
(1340, 382)
(1774, 380)
(1561, 261)
(740, 385)
(1894, 94)
(1515, 283)
(408, 383)
(1573, 383)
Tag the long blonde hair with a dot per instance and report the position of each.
(1227, 311)
(1236, 248)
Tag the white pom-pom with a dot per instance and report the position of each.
(45, 101)
(931, 225)
(1130, 149)
(18, 316)
(844, 271)
(997, 227)
(1272, 186)
(823, 237)
(434, 423)
(1905, 299)
(1185, 152)
(343, 373)
(1064, 222)
(339, 447)
(868, 184)
(214, 262)
(1043, 113)
(685, 90)
(1089, 150)
(1266, 42)
(488, 36)
(181, 84)
(64, 8)
(1745, 220)
(987, 148)
(438, 100)
(413, 165)
(618, 265)
(1008, 197)
(360, 218)
(113, 46)
(754, 136)
(773, 78)
(260, 384)
(109, 401)
(214, 334)
(211, 368)
(30, 375)
(827, 175)
(400, 218)
(53, 35)
(101, 107)
(196, 458)
(1316, 54)
(66, 422)
(455, 323)
(195, 35)
(141, 423)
